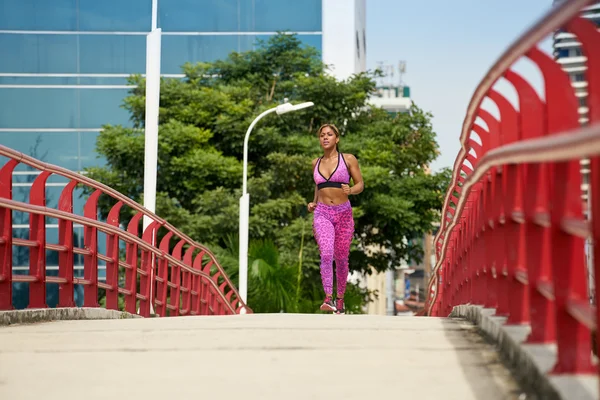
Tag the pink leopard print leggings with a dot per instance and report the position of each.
(333, 227)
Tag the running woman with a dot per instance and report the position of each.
(333, 223)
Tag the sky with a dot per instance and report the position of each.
(448, 47)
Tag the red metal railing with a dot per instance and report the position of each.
(513, 226)
(180, 279)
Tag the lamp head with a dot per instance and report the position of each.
(288, 107)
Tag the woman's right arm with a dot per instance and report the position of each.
(316, 196)
(312, 205)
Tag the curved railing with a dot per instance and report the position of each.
(175, 277)
(513, 225)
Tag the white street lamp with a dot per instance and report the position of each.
(245, 199)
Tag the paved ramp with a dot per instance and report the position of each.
(277, 356)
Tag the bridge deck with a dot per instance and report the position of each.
(275, 356)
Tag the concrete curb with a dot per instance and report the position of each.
(59, 314)
(533, 362)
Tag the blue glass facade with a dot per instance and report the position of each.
(64, 67)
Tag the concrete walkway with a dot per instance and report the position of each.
(278, 356)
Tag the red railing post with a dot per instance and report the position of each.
(37, 252)
(515, 249)
(204, 296)
(112, 265)
(469, 253)
(454, 282)
(131, 259)
(176, 280)
(491, 298)
(6, 236)
(440, 290)
(197, 284)
(482, 274)
(208, 291)
(496, 220)
(66, 257)
(187, 281)
(147, 267)
(449, 274)
(483, 228)
(543, 324)
(90, 259)
(220, 299)
(228, 296)
(162, 286)
(477, 259)
(460, 263)
(499, 247)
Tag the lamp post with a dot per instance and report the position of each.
(245, 199)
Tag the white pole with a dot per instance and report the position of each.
(151, 122)
(154, 14)
(389, 288)
(153, 50)
(244, 225)
(245, 215)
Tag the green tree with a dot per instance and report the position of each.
(203, 120)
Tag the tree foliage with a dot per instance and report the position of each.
(203, 120)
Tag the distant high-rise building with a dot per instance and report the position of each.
(392, 94)
(568, 53)
(344, 36)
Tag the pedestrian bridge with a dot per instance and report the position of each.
(511, 267)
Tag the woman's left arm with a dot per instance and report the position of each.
(356, 175)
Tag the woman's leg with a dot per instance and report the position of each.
(344, 231)
(325, 235)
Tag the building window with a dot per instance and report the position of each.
(240, 15)
(62, 108)
(76, 15)
(99, 54)
(178, 49)
(578, 77)
(582, 102)
(357, 46)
